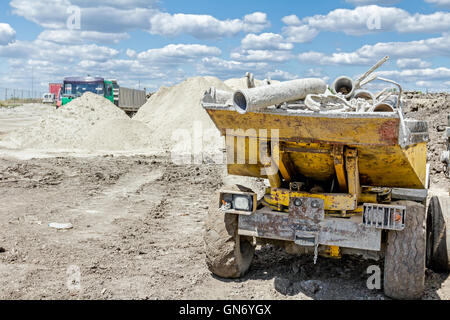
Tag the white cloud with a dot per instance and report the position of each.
(291, 20)
(281, 75)
(441, 3)
(131, 53)
(365, 20)
(178, 53)
(122, 4)
(300, 34)
(433, 79)
(371, 53)
(431, 23)
(262, 55)
(354, 21)
(265, 41)
(317, 73)
(105, 16)
(7, 34)
(412, 63)
(78, 36)
(440, 73)
(46, 50)
(341, 58)
(226, 69)
(206, 26)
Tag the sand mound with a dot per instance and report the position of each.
(178, 120)
(69, 126)
(118, 134)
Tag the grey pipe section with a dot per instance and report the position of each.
(364, 94)
(383, 107)
(343, 85)
(214, 95)
(252, 100)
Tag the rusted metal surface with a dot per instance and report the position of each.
(305, 220)
(339, 165)
(387, 217)
(351, 166)
(333, 201)
(349, 234)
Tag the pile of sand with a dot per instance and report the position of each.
(118, 134)
(177, 119)
(89, 122)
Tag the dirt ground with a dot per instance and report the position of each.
(137, 234)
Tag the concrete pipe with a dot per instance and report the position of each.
(214, 95)
(383, 107)
(252, 100)
(364, 94)
(343, 85)
(386, 105)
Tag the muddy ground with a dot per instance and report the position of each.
(137, 234)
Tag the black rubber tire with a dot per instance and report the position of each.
(438, 234)
(228, 255)
(404, 267)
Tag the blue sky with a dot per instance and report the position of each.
(154, 43)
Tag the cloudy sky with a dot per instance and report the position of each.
(161, 42)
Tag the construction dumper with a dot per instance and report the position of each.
(340, 183)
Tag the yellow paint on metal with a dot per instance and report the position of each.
(417, 157)
(351, 167)
(368, 198)
(350, 131)
(334, 252)
(338, 152)
(332, 201)
(307, 143)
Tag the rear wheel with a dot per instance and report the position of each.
(438, 234)
(404, 268)
(228, 255)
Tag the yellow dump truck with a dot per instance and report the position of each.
(340, 183)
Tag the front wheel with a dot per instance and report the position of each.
(404, 267)
(228, 255)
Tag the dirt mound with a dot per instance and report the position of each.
(118, 134)
(177, 119)
(73, 126)
(434, 108)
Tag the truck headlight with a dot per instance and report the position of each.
(242, 203)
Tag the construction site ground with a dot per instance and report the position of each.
(137, 232)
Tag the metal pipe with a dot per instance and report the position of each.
(347, 86)
(252, 100)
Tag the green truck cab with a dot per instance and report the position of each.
(74, 87)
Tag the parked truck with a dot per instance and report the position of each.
(129, 100)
